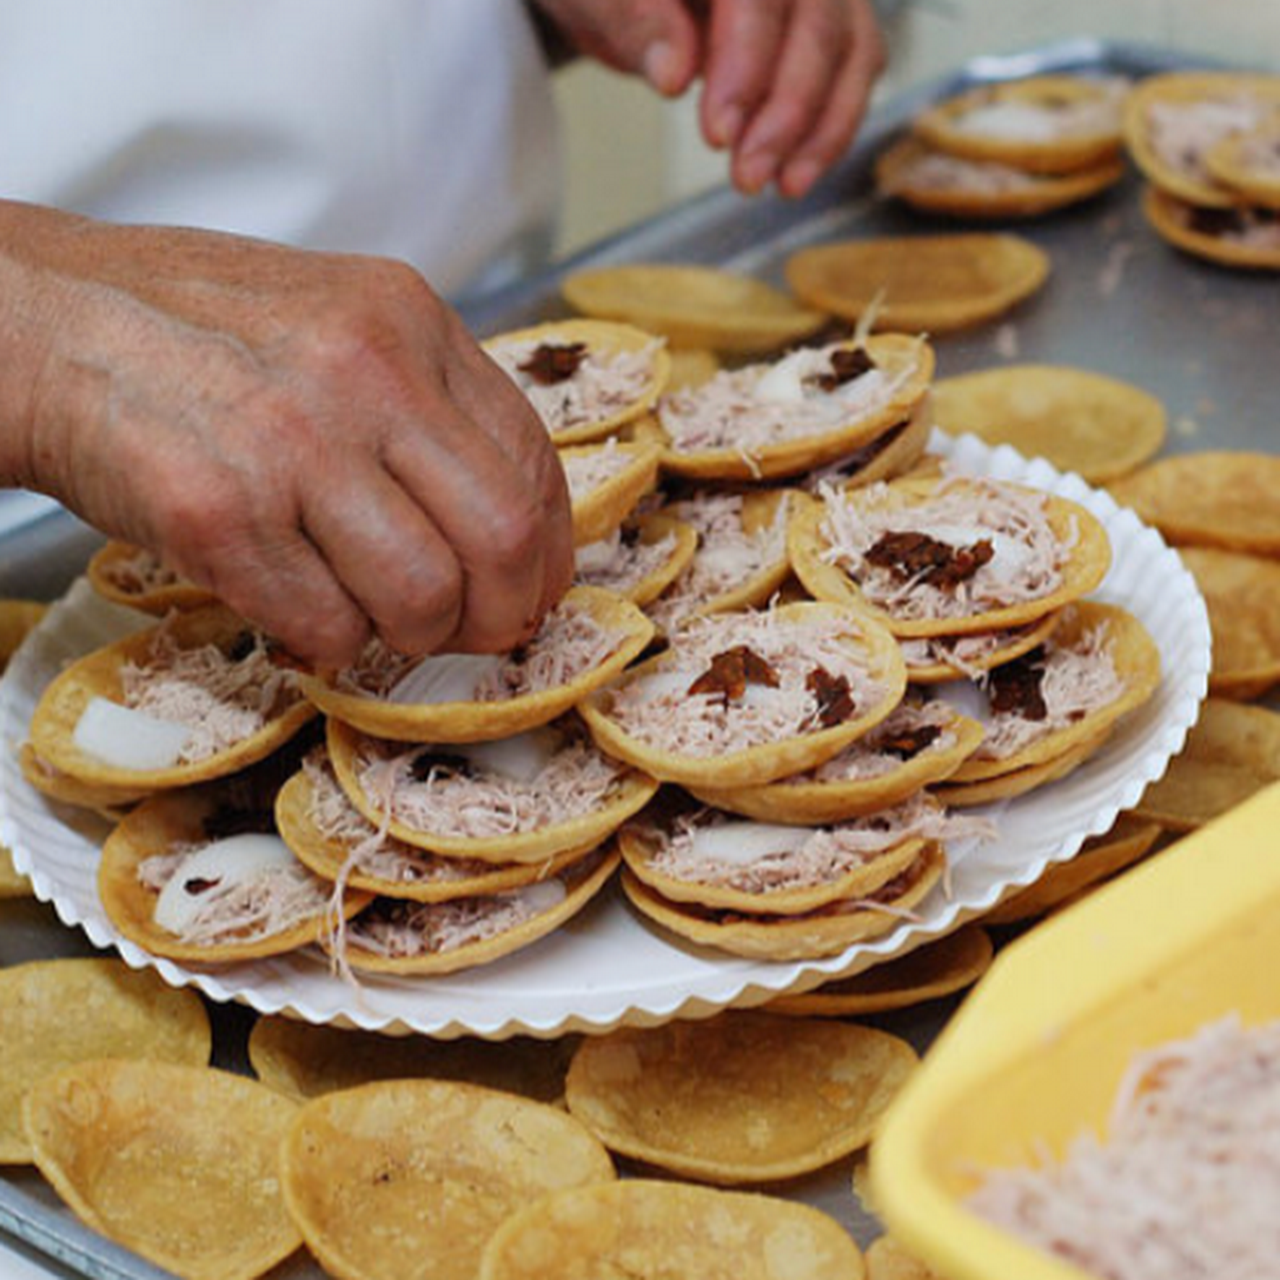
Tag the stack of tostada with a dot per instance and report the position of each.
(794, 644)
(1015, 149)
(1208, 143)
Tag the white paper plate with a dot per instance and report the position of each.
(607, 967)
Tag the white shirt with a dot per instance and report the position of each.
(420, 129)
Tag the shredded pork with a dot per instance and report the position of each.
(728, 557)
(803, 858)
(1185, 1184)
(1003, 530)
(667, 711)
(600, 385)
(569, 643)
(221, 698)
(746, 409)
(1070, 683)
(273, 902)
(435, 790)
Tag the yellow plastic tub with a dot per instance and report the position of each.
(1036, 1053)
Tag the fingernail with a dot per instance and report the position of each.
(756, 170)
(800, 176)
(727, 124)
(659, 66)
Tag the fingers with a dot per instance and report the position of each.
(656, 39)
(787, 85)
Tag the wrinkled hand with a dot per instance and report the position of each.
(314, 437)
(785, 82)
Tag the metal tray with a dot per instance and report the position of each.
(1120, 302)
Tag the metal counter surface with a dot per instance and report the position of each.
(1119, 301)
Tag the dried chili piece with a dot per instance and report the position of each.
(909, 743)
(553, 362)
(847, 364)
(911, 555)
(731, 671)
(833, 695)
(1014, 688)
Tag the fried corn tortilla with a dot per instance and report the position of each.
(400, 937)
(891, 454)
(896, 760)
(827, 931)
(1231, 752)
(1249, 163)
(645, 1227)
(929, 972)
(567, 368)
(177, 1163)
(1121, 642)
(304, 1060)
(376, 863)
(228, 916)
(1242, 593)
(645, 556)
(132, 576)
(741, 558)
(1096, 426)
(692, 306)
(757, 893)
(366, 697)
(742, 1097)
(933, 284)
(691, 367)
(357, 758)
(1209, 498)
(111, 801)
(1232, 237)
(938, 659)
(691, 716)
(1100, 857)
(1172, 120)
(886, 1259)
(753, 423)
(17, 619)
(938, 182)
(409, 1178)
(606, 483)
(1017, 782)
(54, 1013)
(836, 545)
(174, 656)
(1054, 124)
(12, 883)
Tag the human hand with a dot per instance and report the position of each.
(785, 82)
(314, 437)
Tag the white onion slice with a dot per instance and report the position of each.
(237, 860)
(117, 735)
(445, 677)
(746, 842)
(542, 895)
(521, 757)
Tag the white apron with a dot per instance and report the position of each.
(420, 129)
